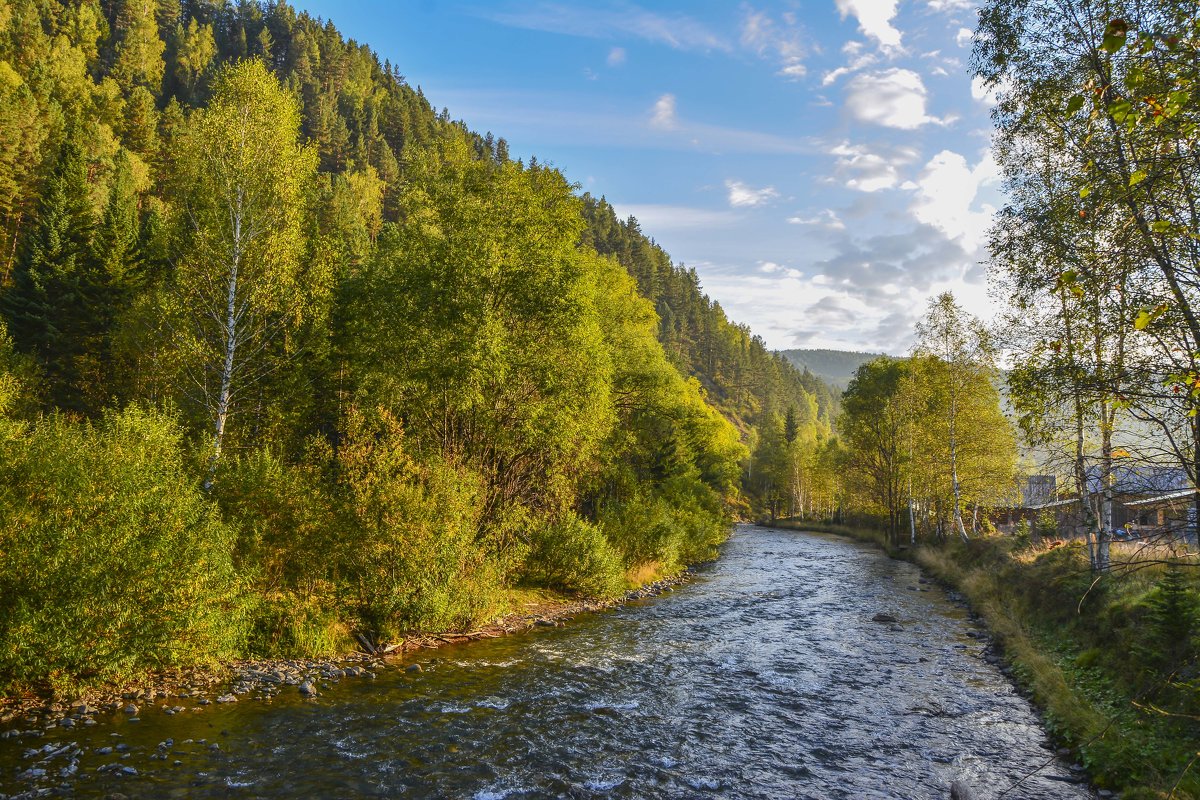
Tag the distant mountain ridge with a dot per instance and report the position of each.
(835, 367)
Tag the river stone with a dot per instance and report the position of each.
(227, 698)
(413, 668)
(960, 791)
(884, 618)
(896, 628)
(307, 689)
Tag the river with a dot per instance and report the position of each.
(765, 677)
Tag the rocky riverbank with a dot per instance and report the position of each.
(191, 691)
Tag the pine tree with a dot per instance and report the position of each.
(53, 304)
(138, 56)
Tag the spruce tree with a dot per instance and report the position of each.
(52, 306)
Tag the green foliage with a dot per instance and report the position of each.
(573, 555)
(1170, 626)
(1045, 527)
(290, 625)
(111, 560)
(166, 240)
(411, 558)
(1022, 535)
(55, 304)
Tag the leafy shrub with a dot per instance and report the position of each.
(408, 536)
(1022, 535)
(1046, 526)
(111, 560)
(287, 526)
(291, 625)
(574, 555)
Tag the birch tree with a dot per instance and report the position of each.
(240, 284)
(956, 338)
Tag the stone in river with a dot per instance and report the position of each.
(131, 710)
(227, 698)
(960, 791)
(413, 668)
(884, 618)
(307, 689)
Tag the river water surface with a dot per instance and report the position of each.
(763, 678)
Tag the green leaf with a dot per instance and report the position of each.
(1112, 44)
(1161, 226)
(1119, 110)
(1084, 192)
(1137, 177)
(1074, 104)
(1142, 320)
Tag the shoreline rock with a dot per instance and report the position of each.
(263, 679)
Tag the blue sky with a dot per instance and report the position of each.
(823, 165)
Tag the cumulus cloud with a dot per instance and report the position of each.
(989, 95)
(865, 170)
(963, 37)
(662, 116)
(894, 98)
(946, 194)
(743, 196)
(771, 268)
(874, 20)
(616, 57)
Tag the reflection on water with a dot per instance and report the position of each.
(763, 678)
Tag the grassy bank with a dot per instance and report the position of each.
(1112, 663)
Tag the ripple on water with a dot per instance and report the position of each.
(763, 678)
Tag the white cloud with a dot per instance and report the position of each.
(894, 98)
(826, 218)
(771, 268)
(663, 114)
(951, 5)
(963, 37)
(874, 20)
(983, 93)
(761, 34)
(743, 196)
(616, 57)
(857, 63)
(946, 194)
(868, 171)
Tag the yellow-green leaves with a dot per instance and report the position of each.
(1137, 177)
(1147, 315)
(1114, 36)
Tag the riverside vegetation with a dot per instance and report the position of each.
(289, 356)
(1094, 262)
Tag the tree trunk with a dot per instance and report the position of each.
(229, 347)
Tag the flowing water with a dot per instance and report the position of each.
(763, 678)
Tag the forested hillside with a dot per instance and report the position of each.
(290, 354)
(835, 367)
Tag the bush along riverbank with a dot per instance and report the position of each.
(1110, 661)
(192, 690)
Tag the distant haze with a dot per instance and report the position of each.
(835, 367)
